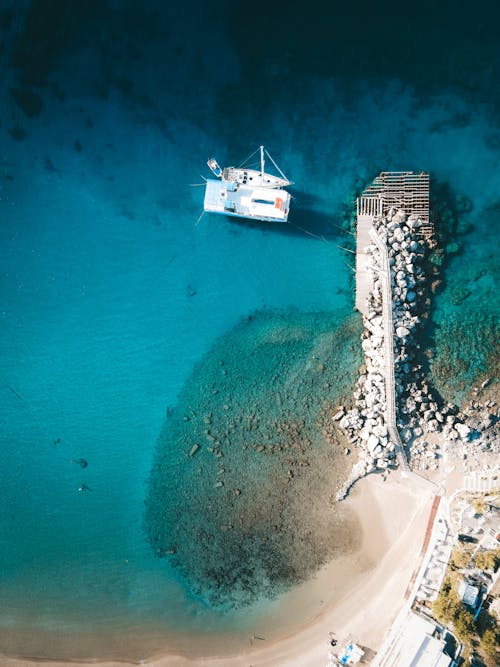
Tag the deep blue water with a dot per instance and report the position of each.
(110, 291)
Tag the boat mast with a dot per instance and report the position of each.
(278, 169)
(262, 159)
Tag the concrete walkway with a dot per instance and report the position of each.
(390, 382)
(364, 284)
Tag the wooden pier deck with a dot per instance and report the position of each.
(397, 189)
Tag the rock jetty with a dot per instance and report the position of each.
(418, 411)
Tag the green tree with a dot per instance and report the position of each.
(489, 644)
(460, 558)
(446, 606)
(464, 626)
(487, 560)
(479, 505)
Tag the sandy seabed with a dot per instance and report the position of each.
(358, 595)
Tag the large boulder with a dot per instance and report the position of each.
(402, 332)
(463, 430)
(372, 442)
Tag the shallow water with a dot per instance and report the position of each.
(110, 291)
(242, 492)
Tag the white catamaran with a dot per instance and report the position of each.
(248, 193)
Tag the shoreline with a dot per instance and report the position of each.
(364, 594)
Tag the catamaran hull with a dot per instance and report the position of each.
(246, 217)
(261, 204)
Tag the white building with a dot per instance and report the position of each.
(468, 594)
(416, 646)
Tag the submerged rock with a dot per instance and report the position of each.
(282, 460)
(193, 450)
(27, 100)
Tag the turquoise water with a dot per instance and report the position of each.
(110, 291)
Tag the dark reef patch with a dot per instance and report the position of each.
(7, 17)
(467, 349)
(28, 101)
(450, 212)
(358, 41)
(242, 491)
(463, 334)
(457, 343)
(17, 132)
(48, 30)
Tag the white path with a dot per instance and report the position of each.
(390, 382)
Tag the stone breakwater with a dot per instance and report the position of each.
(419, 411)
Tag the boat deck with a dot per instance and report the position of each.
(265, 204)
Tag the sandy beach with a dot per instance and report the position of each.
(361, 594)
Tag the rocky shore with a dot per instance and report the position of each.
(477, 441)
(420, 412)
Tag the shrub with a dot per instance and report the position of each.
(446, 606)
(460, 558)
(489, 644)
(479, 505)
(463, 625)
(487, 560)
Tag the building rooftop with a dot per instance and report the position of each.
(417, 646)
(468, 593)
